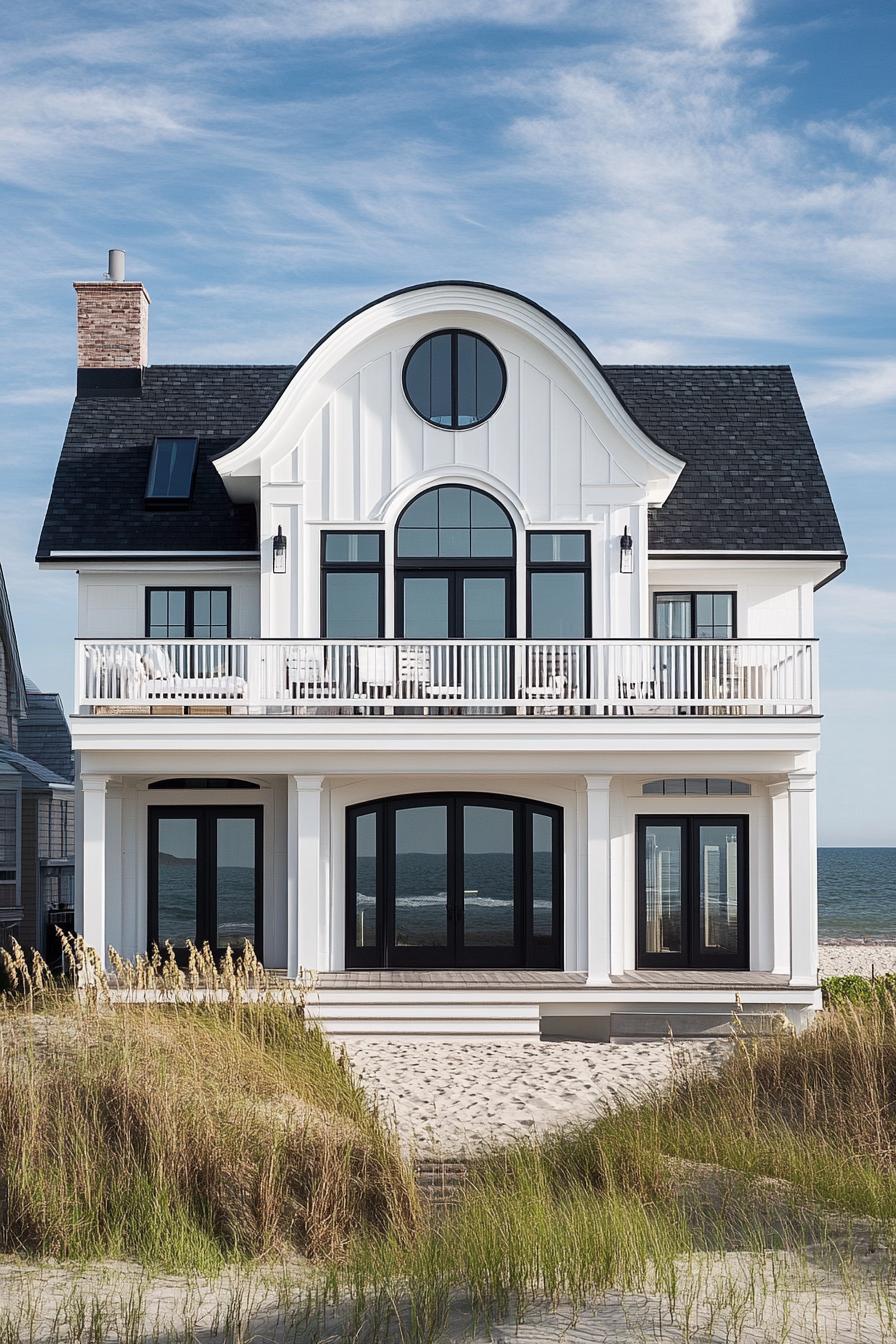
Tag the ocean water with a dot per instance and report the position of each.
(857, 893)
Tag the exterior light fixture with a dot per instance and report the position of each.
(626, 553)
(279, 552)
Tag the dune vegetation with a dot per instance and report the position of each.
(198, 1133)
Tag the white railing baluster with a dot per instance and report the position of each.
(534, 676)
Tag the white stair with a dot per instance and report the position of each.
(408, 1014)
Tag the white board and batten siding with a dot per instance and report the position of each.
(360, 452)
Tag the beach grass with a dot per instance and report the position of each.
(186, 1135)
(196, 1136)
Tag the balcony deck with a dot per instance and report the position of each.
(319, 677)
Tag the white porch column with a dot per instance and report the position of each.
(803, 879)
(598, 848)
(93, 862)
(303, 874)
(780, 915)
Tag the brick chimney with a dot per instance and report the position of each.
(113, 333)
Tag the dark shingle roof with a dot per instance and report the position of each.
(752, 481)
(34, 774)
(97, 499)
(44, 734)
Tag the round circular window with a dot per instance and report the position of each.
(454, 379)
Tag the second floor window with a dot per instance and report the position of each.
(694, 616)
(188, 613)
(559, 590)
(352, 585)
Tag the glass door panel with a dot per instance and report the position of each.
(663, 859)
(176, 877)
(205, 878)
(484, 607)
(544, 866)
(421, 898)
(366, 879)
(719, 915)
(235, 882)
(426, 606)
(489, 906)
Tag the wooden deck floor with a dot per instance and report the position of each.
(507, 979)
(701, 980)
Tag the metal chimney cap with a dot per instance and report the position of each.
(115, 272)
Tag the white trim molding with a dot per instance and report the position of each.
(242, 465)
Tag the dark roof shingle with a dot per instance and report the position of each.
(753, 480)
(44, 734)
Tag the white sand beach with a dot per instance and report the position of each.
(856, 958)
(449, 1099)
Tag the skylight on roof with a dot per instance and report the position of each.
(171, 470)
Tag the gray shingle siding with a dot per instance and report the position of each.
(753, 480)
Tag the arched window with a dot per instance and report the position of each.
(453, 879)
(454, 522)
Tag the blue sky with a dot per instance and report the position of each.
(679, 180)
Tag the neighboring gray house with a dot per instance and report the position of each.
(36, 801)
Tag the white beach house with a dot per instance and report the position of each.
(468, 673)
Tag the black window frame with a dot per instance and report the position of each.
(206, 906)
(377, 567)
(189, 611)
(151, 501)
(559, 567)
(692, 595)
(454, 332)
(527, 952)
(689, 958)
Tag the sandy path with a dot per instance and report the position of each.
(448, 1099)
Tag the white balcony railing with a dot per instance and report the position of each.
(313, 676)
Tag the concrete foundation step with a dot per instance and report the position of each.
(695, 1025)
(408, 1016)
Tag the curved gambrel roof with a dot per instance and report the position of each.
(752, 479)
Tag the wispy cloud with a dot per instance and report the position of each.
(851, 608)
(854, 383)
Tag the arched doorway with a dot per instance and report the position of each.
(455, 551)
(453, 880)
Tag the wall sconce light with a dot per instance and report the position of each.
(279, 552)
(626, 553)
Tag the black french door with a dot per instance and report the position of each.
(454, 604)
(693, 892)
(205, 878)
(453, 880)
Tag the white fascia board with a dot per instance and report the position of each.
(555, 748)
(688, 554)
(171, 566)
(280, 428)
